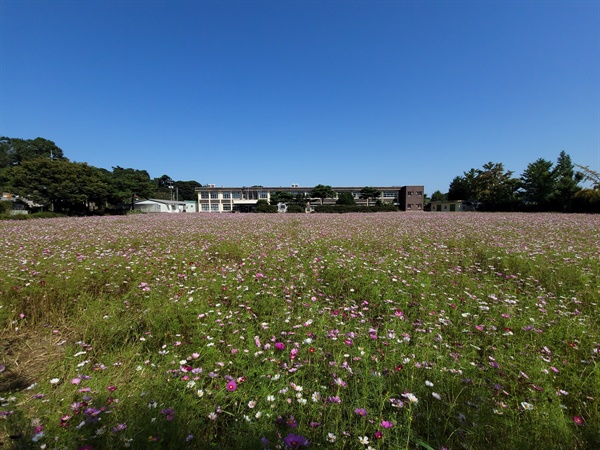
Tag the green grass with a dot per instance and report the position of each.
(489, 321)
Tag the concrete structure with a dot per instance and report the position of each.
(243, 199)
(411, 198)
(160, 206)
(453, 206)
(191, 206)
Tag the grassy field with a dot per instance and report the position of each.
(382, 331)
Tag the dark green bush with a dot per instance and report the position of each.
(262, 206)
(293, 208)
(352, 209)
(5, 206)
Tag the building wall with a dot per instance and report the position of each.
(447, 206)
(228, 199)
(412, 198)
(160, 207)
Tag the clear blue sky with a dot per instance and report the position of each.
(280, 92)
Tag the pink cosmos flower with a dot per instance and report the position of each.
(231, 386)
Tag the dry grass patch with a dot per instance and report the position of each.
(26, 357)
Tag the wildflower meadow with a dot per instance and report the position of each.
(248, 331)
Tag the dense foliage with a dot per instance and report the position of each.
(37, 169)
(543, 186)
(346, 198)
(354, 208)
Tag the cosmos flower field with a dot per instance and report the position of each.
(369, 331)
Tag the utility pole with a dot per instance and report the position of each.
(171, 188)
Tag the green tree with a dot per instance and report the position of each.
(495, 187)
(345, 198)
(14, 151)
(187, 189)
(437, 196)
(567, 181)
(492, 185)
(281, 197)
(322, 191)
(369, 192)
(60, 184)
(301, 199)
(538, 182)
(127, 183)
(464, 187)
(5, 178)
(167, 189)
(587, 200)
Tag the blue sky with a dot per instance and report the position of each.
(280, 92)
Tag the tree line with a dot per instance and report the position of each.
(543, 186)
(38, 170)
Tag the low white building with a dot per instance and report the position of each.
(453, 206)
(191, 206)
(153, 205)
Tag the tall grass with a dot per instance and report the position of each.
(356, 331)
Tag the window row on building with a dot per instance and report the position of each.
(243, 199)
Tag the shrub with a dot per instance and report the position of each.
(5, 206)
(262, 206)
(346, 198)
(293, 208)
(353, 209)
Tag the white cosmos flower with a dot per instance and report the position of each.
(411, 398)
(527, 406)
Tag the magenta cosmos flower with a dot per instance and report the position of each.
(231, 386)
